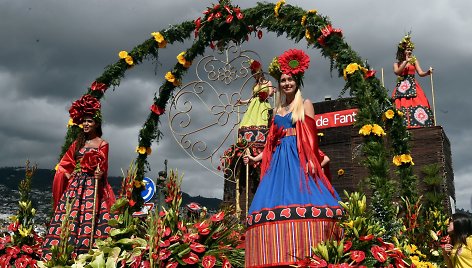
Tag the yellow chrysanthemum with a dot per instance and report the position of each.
(141, 150)
(365, 130)
(389, 114)
(340, 172)
(312, 11)
(378, 130)
(277, 7)
(397, 160)
(308, 35)
(170, 77)
(400, 113)
(350, 69)
(303, 21)
(123, 54)
(158, 37)
(406, 158)
(129, 60)
(181, 59)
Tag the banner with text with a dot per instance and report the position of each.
(336, 119)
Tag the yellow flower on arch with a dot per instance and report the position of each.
(312, 11)
(123, 54)
(365, 130)
(159, 38)
(141, 150)
(389, 114)
(181, 59)
(129, 60)
(303, 21)
(308, 35)
(278, 6)
(378, 130)
(170, 77)
(350, 69)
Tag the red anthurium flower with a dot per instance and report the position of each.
(259, 34)
(167, 231)
(317, 262)
(229, 19)
(228, 9)
(208, 261)
(27, 249)
(366, 237)
(216, 7)
(157, 110)
(218, 216)
(164, 254)
(13, 227)
(347, 246)
(190, 258)
(239, 15)
(218, 15)
(379, 253)
(181, 226)
(226, 264)
(201, 225)
(357, 255)
(164, 244)
(210, 18)
(198, 23)
(13, 251)
(216, 235)
(173, 264)
(197, 247)
(204, 231)
(98, 86)
(174, 238)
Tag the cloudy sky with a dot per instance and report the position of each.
(51, 51)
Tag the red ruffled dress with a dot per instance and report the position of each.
(80, 188)
(411, 100)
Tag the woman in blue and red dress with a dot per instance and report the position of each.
(295, 207)
(408, 95)
(84, 164)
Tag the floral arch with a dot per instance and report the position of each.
(224, 21)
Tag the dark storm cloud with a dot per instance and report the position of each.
(51, 51)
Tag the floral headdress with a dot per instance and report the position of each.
(292, 62)
(255, 66)
(87, 105)
(406, 43)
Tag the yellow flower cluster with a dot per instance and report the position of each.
(351, 68)
(171, 78)
(308, 36)
(71, 123)
(143, 150)
(139, 184)
(399, 160)
(128, 59)
(390, 114)
(375, 129)
(311, 11)
(183, 61)
(303, 21)
(159, 39)
(278, 6)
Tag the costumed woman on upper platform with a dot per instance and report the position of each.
(254, 125)
(295, 206)
(84, 164)
(408, 94)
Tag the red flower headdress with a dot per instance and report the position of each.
(87, 105)
(294, 62)
(255, 66)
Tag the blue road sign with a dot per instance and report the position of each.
(149, 189)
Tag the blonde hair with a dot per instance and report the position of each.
(298, 110)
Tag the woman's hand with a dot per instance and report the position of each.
(248, 159)
(98, 174)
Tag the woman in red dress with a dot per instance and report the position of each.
(408, 94)
(84, 165)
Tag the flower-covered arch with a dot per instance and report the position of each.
(224, 21)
